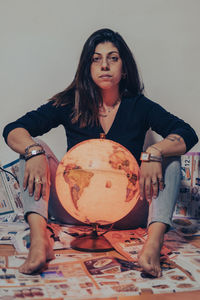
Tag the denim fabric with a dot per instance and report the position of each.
(143, 214)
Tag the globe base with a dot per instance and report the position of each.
(91, 244)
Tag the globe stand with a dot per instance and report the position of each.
(92, 242)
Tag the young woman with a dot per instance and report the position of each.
(106, 96)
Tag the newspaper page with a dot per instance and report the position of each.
(6, 200)
(188, 203)
(61, 235)
(87, 275)
(130, 242)
(9, 230)
(125, 278)
(186, 226)
(13, 167)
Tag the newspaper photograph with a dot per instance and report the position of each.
(188, 203)
(6, 203)
(130, 242)
(12, 181)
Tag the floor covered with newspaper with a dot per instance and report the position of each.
(83, 275)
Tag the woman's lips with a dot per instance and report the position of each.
(105, 76)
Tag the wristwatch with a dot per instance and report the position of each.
(145, 156)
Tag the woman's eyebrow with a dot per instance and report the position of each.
(111, 52)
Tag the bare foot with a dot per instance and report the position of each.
(39, 253)
(149, 258)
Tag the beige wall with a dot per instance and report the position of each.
(41, 40)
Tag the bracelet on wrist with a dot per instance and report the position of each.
(34, 153)
(154, 147)
(31, 146)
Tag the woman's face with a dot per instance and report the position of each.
(106, 66)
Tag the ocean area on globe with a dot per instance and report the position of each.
(97, 181)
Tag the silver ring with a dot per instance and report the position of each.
(38, 181)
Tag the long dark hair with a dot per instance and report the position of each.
(83, 93)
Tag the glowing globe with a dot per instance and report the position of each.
(97, 181)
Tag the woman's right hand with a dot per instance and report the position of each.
(37, 177)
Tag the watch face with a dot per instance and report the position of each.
(34, 152)
(145, 156)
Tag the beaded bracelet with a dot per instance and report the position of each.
(34, 153)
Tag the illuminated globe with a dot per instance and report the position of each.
(97, 181)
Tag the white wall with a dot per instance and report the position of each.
(41, 40)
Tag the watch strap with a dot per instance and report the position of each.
(155, 158)
(145, 156)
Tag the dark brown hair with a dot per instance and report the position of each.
(83, 93)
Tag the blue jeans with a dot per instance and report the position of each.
(160, 209)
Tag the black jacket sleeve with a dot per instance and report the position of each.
(165, 123)
(37, 122)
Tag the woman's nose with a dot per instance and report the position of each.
(105, 64)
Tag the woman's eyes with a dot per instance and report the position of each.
(110, 59)
(113, 58)
(96, 59)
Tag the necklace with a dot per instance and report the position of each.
(105, 111)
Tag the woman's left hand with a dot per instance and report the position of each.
(151, 180)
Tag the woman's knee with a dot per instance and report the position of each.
(172, 166)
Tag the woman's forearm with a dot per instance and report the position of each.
(172, 145)
(18, 139)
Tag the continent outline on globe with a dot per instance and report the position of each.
(104, 175)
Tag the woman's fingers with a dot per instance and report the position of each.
(38, 188)
(41, 188)
(45, 187)
(155, 187)
(31, 185)
(148, 191)
(37, 177)
(151, 180)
